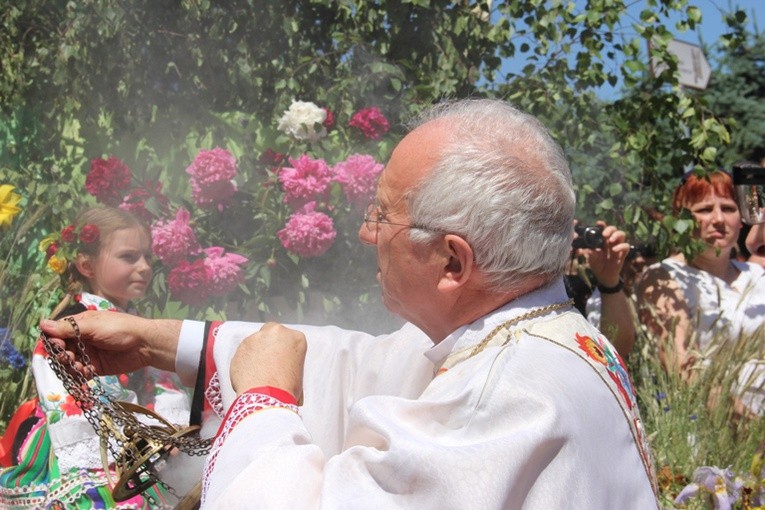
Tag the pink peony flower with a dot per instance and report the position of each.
(174, 240)
(212, 173)
(307, 179)
(225, 270)
(108, 179)
(189, 282)
(213, 196)
(308, 233)
(358, 176)
(371, 122)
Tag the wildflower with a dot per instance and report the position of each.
(720, 483)
(358, 176)
(308, 233)
(89, 234)
(174, 240)
(225, 270)
(188, 282)
(307, 180)
(57, 264)
(371, 122)
(212, 178)
(8, 351)
(9, 207)
(108, 179)
(300, 121)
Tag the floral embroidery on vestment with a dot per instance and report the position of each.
(602, 352)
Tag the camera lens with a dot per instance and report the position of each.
(588, 237)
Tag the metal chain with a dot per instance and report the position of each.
(110, 420)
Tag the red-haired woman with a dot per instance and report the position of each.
(689, 303)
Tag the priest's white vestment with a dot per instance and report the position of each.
(537, 414)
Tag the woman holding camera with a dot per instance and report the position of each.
(689, 303)
(605, 250)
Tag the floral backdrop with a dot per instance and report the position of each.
(251, 144)
(245, 231)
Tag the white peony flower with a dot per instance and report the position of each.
(301, 119)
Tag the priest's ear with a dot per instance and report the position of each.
(458, 263)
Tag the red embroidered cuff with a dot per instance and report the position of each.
(283, 396)
(246, 404)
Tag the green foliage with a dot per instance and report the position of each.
(737, 93)
(696, 420)
(153, 82)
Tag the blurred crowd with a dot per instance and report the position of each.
(689, 307)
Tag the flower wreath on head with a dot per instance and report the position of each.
(61, 248)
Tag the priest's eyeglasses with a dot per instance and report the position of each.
(374, 216)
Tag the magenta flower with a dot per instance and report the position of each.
(213, 196)
(108, 179)
(189, 282)
(308, 233)
(174, 240)
(225, 270)
(307, 180)
(358, 176)
(212, 178)
(371, 122)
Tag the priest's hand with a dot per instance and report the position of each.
(274, 356)
(114, 342)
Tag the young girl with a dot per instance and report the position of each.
(57, 452)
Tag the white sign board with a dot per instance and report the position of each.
(692, 64)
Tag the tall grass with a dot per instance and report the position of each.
(697, 418)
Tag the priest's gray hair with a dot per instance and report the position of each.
(501, 183)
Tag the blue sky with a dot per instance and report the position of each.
(710, 29)
(707, 32)
(712, 25)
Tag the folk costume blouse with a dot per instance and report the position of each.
(59, 457)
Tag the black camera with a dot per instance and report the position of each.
(588, 237)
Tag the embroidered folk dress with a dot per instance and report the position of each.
(543, 416)
(59, 460)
